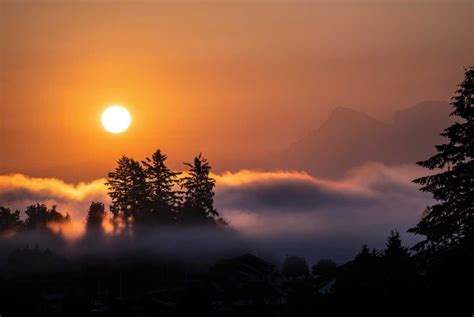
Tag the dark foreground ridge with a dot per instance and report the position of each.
(38, 282)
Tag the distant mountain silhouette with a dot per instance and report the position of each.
(349, 138)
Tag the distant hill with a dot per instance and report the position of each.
(349, 138)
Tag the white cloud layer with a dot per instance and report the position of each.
(283, 212)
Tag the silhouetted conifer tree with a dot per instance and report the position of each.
(450, 221)
(161, 180)
(394, 248)
(129, 190)
(365, 254)
(198, 195)
(397, 270)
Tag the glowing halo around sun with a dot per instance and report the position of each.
(116, 119)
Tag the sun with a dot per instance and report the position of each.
(116, 119)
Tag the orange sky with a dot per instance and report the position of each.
(231, 79)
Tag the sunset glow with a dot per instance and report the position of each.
(236, 158)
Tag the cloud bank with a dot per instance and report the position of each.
(282, 212)
(371, 195)
(18, 191)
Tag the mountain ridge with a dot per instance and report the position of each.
(349, 138)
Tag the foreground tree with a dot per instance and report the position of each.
(394, 248)
(129, 191)
(450, 221)
(399, 271)
(198, 194)
(9, 221)
(161, 180)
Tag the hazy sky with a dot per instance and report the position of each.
(231, 79)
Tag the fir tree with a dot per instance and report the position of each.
(364, 254)
(394, 248)
(450, 221)
(198, 194)
(161, 180)
(129, 191)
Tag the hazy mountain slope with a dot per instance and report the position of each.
(349, 138)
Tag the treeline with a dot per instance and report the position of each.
(394, 264)
(145, 193)
(389, 282)
(38, 216)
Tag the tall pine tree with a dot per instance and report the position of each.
(450, 221)
(129, 191)
(394, 248)
(198, 194)
(161, 180)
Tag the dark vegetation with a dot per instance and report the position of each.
(432, 277)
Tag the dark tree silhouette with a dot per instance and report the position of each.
(9, 221)
(95, 216)
(397, 258)
(324, 267)
(161, 180)
(38, 216)
(365, 254)
(450, 221)
(146, 193)
(388, 277)
(129, 191)
(198, 194)
(394, 248)
(295, 266)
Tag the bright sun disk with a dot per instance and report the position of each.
(116, 119)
